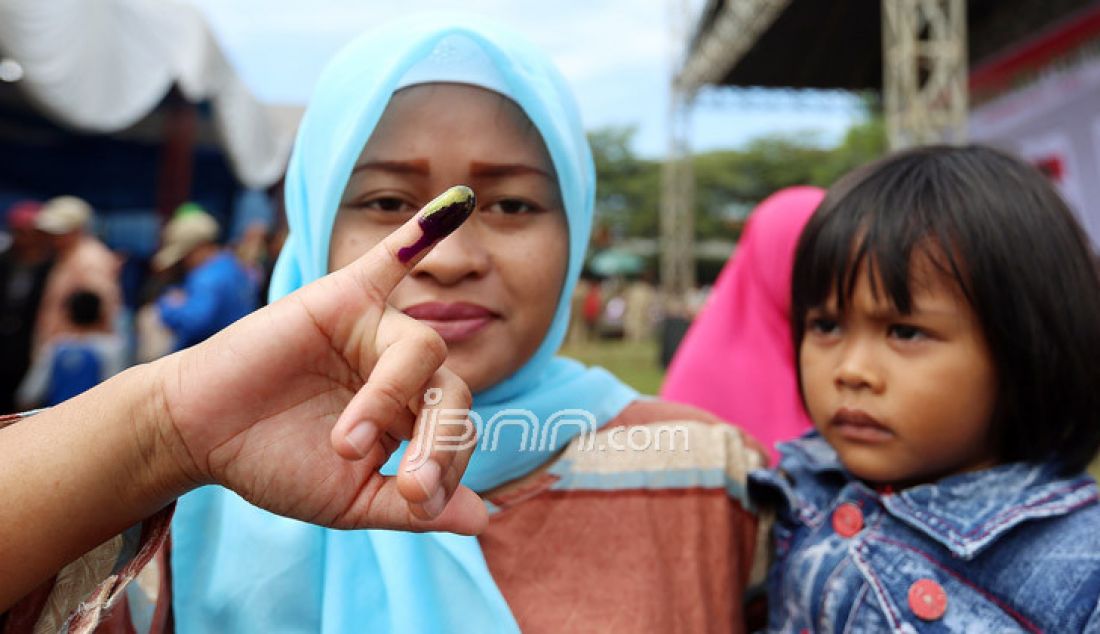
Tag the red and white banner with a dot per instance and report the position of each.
(1055, 124)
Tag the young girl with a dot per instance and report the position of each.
(946, 319)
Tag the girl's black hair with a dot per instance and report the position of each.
(998, 228)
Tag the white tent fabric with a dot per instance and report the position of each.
(103, 65)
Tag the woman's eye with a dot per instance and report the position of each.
(512, 206)
(387, 204)
(905, 332)
(823, 326)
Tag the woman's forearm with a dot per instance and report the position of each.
(75, 475)
(285, 385)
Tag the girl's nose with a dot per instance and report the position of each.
(457, 257)
(857, 369)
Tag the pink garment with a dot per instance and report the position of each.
(737, 360)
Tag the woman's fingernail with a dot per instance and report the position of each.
(362, 438)
(445, 213)
(433, 506)
(427, 476)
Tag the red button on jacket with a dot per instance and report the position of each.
(927, 599)
(847, 519)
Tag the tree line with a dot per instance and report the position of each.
(729, 183)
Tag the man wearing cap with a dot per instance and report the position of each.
(24, 266)
(83, 263)
(216, 290)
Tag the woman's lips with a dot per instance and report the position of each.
(454, 322)
(857, 426)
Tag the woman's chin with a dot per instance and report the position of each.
(480, 366)
(473, 370)
(492, 354)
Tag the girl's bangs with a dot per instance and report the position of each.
(861, 233)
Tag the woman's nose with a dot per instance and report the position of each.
(459, 256)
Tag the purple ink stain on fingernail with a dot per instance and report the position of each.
(439, 218)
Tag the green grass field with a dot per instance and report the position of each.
(636, 364)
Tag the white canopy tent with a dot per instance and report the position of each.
(103, 65)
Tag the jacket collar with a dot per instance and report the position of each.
(966, 512)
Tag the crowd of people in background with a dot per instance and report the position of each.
(627, 307)
(631, 308)
(64, 325)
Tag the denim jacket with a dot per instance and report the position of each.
(1008, 549)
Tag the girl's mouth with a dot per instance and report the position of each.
(858, 426)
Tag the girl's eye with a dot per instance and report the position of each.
(511, 206)
(906, 332)
(823, 326)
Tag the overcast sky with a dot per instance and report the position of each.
(617, 54)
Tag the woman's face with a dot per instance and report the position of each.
(490, 288)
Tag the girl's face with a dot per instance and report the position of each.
(490, 288)
(903, 399)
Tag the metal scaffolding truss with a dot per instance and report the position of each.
(925, 71)
(736, 28)
(774, 99)
(924, 45)
(678, 207)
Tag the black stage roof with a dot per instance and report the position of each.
(829, 44)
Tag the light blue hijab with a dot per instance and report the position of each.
(237, 568)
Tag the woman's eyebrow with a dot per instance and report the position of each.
(496, 170)
(418, 167)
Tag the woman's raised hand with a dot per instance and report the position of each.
(297, 406)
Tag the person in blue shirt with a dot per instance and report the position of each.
(77, 360)
(217, 290)
(945, 321)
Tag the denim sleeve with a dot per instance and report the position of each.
(1093, 624)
